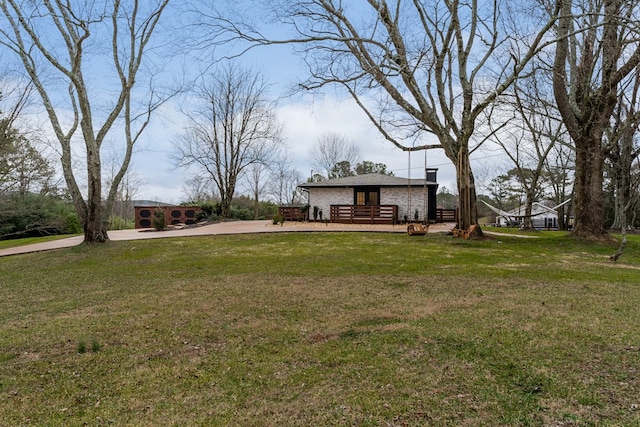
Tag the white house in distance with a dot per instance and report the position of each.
(541, 217)
(374, 198)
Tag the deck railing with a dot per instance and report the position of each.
(292, 213)
(362, 214)
(447, 215)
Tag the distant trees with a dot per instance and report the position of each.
(343, 169)
(366, 167)
(231, 128)
(329, 150)
(73, 50)
(283, 182)
(23, 170)
(29, 201)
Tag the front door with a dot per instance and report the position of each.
(369, 196)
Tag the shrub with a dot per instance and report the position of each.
(33, 215)
(72, 224)
(158, 219)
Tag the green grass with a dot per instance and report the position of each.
(304, 329)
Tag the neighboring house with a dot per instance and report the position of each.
(374, 198)
(541, 218)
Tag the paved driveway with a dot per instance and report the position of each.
(228, 227)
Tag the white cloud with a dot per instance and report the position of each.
(306, 121)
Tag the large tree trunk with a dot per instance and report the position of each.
(589, 192)
(527, 221)
(622, 157)
(95, 228)
(468, 214)
(225, 207)
(95, 224)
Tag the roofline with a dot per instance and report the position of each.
(321, 185)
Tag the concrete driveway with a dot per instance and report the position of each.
(221, 228)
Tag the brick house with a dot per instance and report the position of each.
(374, 198)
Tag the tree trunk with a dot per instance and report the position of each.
(95, 224)
(527, 221)
(225, 207)
(589, 192)
(468, 215)
(95, 228)
(256, 203)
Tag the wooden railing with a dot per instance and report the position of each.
(447, 215)
(292, 213)
(360, 214)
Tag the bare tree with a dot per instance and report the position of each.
(597, 48)
(559, 168)
(57, 43)
(330, 149)
(622, 154)
(257, 184)
(284, 181)
(432, 66)
(231, 128)
(130, 186)
(199, 188)
(530, 137)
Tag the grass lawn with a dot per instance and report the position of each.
(314, 329)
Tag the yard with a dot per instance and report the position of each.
(322, 329)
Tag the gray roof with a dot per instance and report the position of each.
(368, 180)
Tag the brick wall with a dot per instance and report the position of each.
(325, 197)
(400, 197)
